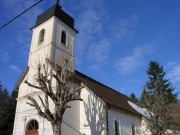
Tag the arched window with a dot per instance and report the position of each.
(133, 129)
(116, 127)
(63, 37)
(41, 35)
(32, 128)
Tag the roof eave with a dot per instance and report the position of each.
(21, 78)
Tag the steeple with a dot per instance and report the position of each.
(56, 10)
(57, 1)
(53, 36)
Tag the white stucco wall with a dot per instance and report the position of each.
(93, 117)
(52, 49)
(92, 114)
(145, 114)
(87, 117)
(59, 51)
(125, 120)
(25, 113)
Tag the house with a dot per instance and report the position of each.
(103, 110)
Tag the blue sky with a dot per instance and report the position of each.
(116, 39)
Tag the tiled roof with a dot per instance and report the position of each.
(106, 93)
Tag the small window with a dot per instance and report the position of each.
(133, 129)
(63, 38)
(41, 36)
(116, 127)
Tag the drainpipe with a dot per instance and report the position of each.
(25, 125)
(43, 127)
(108, 106)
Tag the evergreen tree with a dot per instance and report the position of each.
(157, 97)
(7, 111)
(158, 85)
(133, 98)
(143, 99)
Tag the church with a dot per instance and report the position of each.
(103, 111)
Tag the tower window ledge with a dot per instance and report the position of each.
(66, 46)
(39, 44)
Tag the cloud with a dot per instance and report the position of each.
(9, 3)
(15, 68)
(21, 32)
(134, 61)
(174, 71)
(99, 51)
(124, 29)
(91, 45)
(89, 23)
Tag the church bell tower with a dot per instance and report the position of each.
(53, 37)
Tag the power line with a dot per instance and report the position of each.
(19, 15)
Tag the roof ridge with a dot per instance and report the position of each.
(76, 71)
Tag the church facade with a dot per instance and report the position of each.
(103, 110)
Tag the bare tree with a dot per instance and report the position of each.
(158, 115)
(67, 90)
(175, 109)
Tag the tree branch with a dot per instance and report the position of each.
(41, 101)
(40, 112)
(30, 104)
(34, 86)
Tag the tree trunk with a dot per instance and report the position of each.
(57, 128)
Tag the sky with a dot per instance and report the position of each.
(117, 39)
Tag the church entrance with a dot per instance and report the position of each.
(32, 128)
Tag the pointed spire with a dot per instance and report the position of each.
(57, 1)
